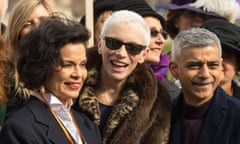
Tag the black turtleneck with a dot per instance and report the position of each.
(192, 122)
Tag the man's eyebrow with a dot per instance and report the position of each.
(200, 63)
(213, 63)
(194, 63)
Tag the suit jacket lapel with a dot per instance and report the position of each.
(211, 124)
(44, 117)
(214, 118)
(175, 134)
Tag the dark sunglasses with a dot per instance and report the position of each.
(132, 48)
(154, 33)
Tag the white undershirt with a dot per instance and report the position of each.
(63, 113)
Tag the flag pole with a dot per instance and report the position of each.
(89, 21)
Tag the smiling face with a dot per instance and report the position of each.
(157, 42)
(199, 71)
(66, 81)
(34, 19)
(118, 64)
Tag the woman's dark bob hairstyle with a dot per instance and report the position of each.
(40, 49)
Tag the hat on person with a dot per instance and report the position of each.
(99, 7)
(228, 33)
(139, 6)
(228, 9)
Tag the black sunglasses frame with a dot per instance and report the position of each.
(155, 32)
(131, 48)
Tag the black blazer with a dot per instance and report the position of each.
(34, 124)
(220, 125)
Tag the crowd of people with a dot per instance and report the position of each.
(55, 89)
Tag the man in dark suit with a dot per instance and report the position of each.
(202, 113)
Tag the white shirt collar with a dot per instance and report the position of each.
(63, 114)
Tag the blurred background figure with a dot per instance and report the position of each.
(25, 15)
(185, 14)
(229, 35)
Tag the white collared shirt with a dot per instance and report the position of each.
(63, 113)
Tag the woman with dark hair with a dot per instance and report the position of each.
(52, 64)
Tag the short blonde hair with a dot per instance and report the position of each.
(126, 17)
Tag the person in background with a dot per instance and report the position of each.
(155, 58)
(121, 93)
(203, 112)
(185, 14)
(25, 15)
(229, 35)
(52, 64)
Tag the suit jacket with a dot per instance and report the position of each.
(236, 88)
(34, 124)
(221, 124)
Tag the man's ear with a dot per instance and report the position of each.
(173, 67)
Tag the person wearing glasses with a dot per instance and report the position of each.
(121, 93)
(155, 58)
(52, 64)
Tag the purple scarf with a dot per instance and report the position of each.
(160, 69)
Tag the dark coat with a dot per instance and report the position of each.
(171, 87)
(17, 95)
(34, 124)
(236, 88)
(142, 115)
(220, 125)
